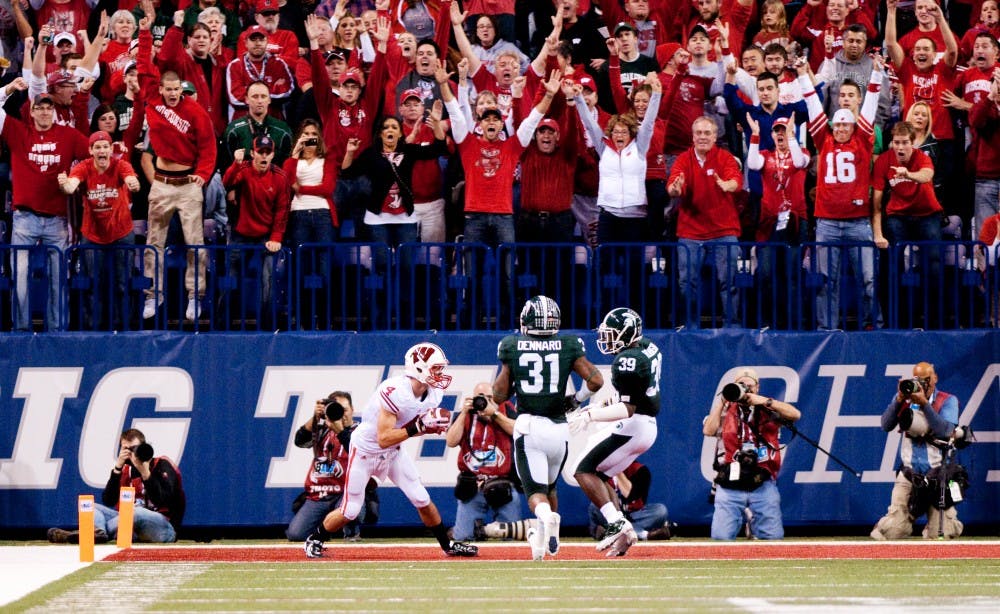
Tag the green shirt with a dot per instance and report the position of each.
(240, 133)
(539, 369)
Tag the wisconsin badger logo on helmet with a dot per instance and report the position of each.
(425, 362)
(540, 317)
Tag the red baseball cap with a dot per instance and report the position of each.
(411, 93)
(100, 135)
(549, 123)
(255, 30)
(59, 77)
(266, 6)
(353, 74)
(587, 82)
(781, 122)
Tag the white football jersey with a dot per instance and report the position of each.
(396, 396)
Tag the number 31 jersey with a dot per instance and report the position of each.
(539, 369)
(635, 374)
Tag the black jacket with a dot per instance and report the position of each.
(372, 164)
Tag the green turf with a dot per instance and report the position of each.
(619, 585)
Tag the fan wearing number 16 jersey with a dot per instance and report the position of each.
(843, 207)
(536, 366)
(631, 428)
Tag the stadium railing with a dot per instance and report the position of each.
(471, 286)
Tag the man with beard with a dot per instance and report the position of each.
(709, 16)
(280, 43)
(257, 64)
(852, 64)
(838, 18)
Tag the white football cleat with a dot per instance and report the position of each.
(536, 539)
(552, 534)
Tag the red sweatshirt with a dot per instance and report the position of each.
(184, 133)
(706, 212)
(547, 179)
(211, 96)
(263, 200)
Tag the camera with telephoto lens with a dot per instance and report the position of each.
(144, 452)
(746, 456)
(479, 403)
(332, 409)
(909, 386)
(735, 391)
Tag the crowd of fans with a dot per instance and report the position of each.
(702, 122)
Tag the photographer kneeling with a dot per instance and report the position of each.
(927, 417)
(484, 434)
(328, 432)
(159, 497)
(749, 425)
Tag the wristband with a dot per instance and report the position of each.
(412, 430)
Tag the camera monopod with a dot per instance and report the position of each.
(797, 433)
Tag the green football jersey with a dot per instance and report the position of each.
(635, 374)
(539, 369)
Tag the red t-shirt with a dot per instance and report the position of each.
(106, 201)
(843, 174)
(974, 83)
(910, 39)
(37, 158)
(907, 197)
(489, 173)
(929, 86)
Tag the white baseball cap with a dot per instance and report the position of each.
(844, 116)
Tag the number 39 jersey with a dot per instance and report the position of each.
(539, 369)
(635, 374)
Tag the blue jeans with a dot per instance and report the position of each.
(862, 261)
(476, 508)
(243, 261)
(147, 525)
(765, 503)
(690, 256)
(109, 268)
(491, 229)
(312, 513)
(651, 516)
(987, 201)
(30, 229)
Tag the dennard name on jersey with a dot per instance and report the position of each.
(539, 345)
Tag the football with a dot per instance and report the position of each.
(440, 415)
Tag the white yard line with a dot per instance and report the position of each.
(28, 568)
(125, 587)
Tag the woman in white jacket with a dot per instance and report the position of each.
(622, 147)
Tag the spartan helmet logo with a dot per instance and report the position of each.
(620, 328)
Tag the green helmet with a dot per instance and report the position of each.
(618, 330)
(540, 317)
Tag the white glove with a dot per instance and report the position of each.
(435, 420)
(579, 421)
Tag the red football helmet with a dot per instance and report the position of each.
(425, 362)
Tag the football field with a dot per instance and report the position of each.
(414, 576)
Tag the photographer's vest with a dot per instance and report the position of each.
(759, 428)
(486, 449)
(327, 472)
(920, 448)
